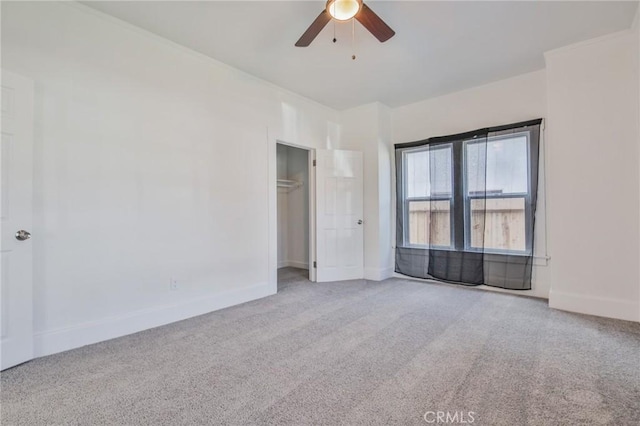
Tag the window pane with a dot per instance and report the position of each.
(501, 163)
(430, 223)
(504, 227)
(429, 172)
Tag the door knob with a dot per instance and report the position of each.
(359, 221)
(23, 235)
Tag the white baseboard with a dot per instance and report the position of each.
(300, 265)
(539, 291)
(54, 341)
(292, 264)
(599, 306)
(377, 274)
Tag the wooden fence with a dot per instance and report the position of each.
(502, 229)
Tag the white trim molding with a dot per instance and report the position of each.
(377, 274)
(64, 339)
(538, 290)
(283, 264)
(292, 264)
(593, 305)
(595, 40)
(299, 265)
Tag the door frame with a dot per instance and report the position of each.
(273, 210)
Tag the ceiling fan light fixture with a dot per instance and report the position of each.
(343, 10)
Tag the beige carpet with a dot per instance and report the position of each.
(350, 353)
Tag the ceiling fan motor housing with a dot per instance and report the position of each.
(343, 10)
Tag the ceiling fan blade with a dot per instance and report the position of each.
(374, 24)
(314, 29)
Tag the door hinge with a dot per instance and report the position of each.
(315, 264)
(314, 163)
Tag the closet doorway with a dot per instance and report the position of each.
(295, 209)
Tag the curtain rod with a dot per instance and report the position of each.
(468, 135)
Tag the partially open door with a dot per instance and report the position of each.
(339, 213)
(16, 159)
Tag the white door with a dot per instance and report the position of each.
(16, 304)
(339, 204)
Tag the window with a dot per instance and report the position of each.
(465, 206)
(497, 200)
(429, 196)
(496, 195)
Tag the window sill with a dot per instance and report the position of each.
(491, 256)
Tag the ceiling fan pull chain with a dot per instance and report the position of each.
(334, 31)
(353, 38)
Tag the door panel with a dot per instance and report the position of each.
(339, 209)
(16, 304)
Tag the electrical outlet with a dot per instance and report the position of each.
(174, 284)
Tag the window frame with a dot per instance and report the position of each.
(459, 196)
(407, 200)
(526, 195)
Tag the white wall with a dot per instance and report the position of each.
(293, 208)
(156, 162)
(508, 101)
(298, 206)
(367, 128)
(283, 207)
(636, 28)
(386, 202)
(151, 162)
(593, 125)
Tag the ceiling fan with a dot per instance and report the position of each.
(343, 10)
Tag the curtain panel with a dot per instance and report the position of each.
(466, 206)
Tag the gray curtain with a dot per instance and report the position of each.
(466, 206)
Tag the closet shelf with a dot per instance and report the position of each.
(289, 184)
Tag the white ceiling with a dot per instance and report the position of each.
(439, 47)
